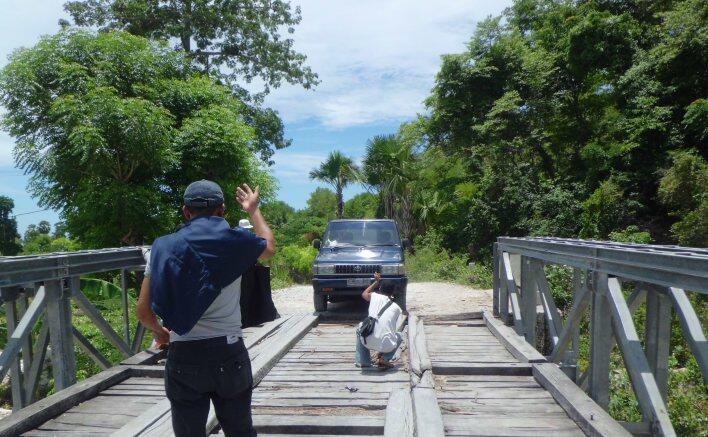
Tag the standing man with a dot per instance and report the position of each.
(193, 282)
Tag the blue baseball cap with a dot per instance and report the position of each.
(203, 194)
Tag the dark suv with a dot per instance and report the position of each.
(351, 251)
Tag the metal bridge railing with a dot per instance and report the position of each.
(659, 275)
(41, 287)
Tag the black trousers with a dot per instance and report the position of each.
(209, 370)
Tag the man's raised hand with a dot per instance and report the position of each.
(247, 198)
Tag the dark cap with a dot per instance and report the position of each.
(203, 194)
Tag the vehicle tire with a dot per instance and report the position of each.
(400, 300)
(320, 301)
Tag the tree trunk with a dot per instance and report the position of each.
(340, 202)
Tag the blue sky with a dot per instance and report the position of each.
(376, 59)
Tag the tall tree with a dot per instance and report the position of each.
(236, 41)
(8, 228)
(244, 38)
(338, 171)
(389, 165)
(112, 127)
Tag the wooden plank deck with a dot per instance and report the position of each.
(469, 377)
(315, 388)
(485, 386)
(117, 406)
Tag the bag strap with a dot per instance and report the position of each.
(385, 307)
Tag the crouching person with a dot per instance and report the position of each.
(378, 332)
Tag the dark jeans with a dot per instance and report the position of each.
(203, 370)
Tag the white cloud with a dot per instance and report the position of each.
(295, 167)
(376, 59)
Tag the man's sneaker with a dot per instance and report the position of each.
(361, 366)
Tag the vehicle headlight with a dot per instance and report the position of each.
(326, 269)
(393, 269)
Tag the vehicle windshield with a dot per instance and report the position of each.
(361, 233)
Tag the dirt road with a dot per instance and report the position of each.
(429, 298)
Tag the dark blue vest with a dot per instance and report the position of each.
(189, 268)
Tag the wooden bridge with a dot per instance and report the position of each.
(511, 372)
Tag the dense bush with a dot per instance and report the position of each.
(292, 265)
(432, 262)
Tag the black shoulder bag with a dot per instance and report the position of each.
(367, 326)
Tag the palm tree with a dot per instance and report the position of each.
(338, 171)
(389, 165)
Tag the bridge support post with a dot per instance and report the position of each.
(658, 338)
(496, 289)
(12, 296)
(58, 316)
(569, 363)
(528, 300)
(600, 342)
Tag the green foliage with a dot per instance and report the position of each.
(322, 203)
(112, 127)
(390, 166)
(8, 228)
(362, 206)
(37, 243)
(98, 289)
(632, 234)
(249, 45)
(684, 189)
(294, 263)
(605, 210)
(432, 262)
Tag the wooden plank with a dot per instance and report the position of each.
(399, 415)
(259, 333)
(34, 415)
(145, 420)
(301, 424)
(509, 426)
(147, 356)
(456, 368)
(21, 331)
(426, 412)
(92, 313)
(591, 418)
(447, 318)
(692, 329)
(514, 343)
(262, 364)
(645, 387)
(417, 346)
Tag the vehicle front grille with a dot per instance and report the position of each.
(357, 268)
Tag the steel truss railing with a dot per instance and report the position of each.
(659, 274)
(41, 287)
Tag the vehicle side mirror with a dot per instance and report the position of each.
(406, 243)
(316, 243)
